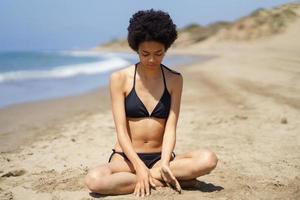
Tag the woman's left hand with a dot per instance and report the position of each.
(169, 178)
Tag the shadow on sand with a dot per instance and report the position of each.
(203, 187)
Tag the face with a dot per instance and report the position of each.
(151, 53)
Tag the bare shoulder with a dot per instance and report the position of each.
(174, 78)
(122, 75)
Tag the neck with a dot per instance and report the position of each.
(149, 72)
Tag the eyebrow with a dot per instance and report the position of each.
(154, 52)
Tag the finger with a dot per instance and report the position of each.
(166, 177)
(147, 187)
(152, 182)
(168, 172)
(169, 185)
(177, 186)
(174, 180)
(164, 169)
(142, 189)
(168, 182)
(139, 191)
(171, 174)
(134, 192)
(163, 176)
(136, 189)
(171, 180)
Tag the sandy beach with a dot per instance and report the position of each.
(244, 105)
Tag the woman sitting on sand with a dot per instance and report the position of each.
(145, 103)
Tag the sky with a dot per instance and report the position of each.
(33, 25)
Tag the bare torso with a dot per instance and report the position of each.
(146, 133)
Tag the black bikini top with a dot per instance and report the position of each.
(135, 108)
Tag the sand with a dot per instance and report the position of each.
(244, 105)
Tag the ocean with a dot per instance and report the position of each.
(34, 76)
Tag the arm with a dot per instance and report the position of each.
(169, 138)
(117, 93)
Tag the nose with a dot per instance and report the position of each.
(151, 59)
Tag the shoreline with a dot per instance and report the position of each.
(29, 122)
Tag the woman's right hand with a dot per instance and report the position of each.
(144, 181)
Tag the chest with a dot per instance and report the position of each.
(147, 94)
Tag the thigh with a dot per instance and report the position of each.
(117, 164)
(186, 156)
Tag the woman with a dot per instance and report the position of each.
(145, 104)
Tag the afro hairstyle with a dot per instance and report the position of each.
(151, 25)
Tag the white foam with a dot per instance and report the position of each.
(66, 71)
(82, 53)
(98, 54)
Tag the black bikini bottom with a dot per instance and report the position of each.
(148, 158)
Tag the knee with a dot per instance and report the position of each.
(207, 160)
(211, 160)
(94, 180)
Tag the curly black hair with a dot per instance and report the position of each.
(151, 25)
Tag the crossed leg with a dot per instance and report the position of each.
(117, 177)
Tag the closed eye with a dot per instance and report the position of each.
(149, 54)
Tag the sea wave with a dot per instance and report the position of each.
(95, 54)
(82, 53)
(66, 71)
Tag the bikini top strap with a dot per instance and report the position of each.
(162, 70)
(134, 75)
